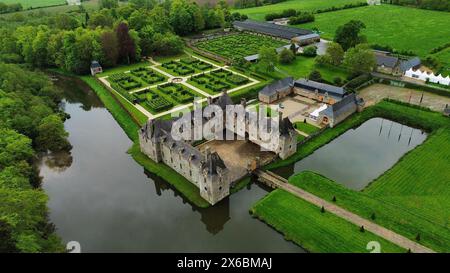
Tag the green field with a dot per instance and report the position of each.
(402, 28)
(258, 13)
(238, 45)
(35, 3)
(411, 198)
(444, 57)
(302, 66)
(306, 127)
(304, 224)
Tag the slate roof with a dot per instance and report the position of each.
(307, 36)
(284, 32)
(254, 57)
(406, 65)
(387, 61)
(95, 64)
(272, 88)
(340, 107)
(321, 87)
(213, 162)
(223, 100)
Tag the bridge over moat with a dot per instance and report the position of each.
(275, 181)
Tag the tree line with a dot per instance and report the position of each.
(114, 34)
(7, 8)
(30, 123)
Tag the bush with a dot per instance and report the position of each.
(337, 81)
(301, 18)
(310, 51)
(315, 76)
(286, 56)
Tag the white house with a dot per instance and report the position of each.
(424, 76)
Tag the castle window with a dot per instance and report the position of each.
(206, 189)
(220, 188)
(171, 159)
(190, 172)
(181, 167)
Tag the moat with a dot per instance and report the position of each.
(100, 197)
(360, 155)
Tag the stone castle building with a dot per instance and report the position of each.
(207, 170)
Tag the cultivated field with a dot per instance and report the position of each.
(402, 28)
(315, 231)
(35, 3)
(412, 198)
(258, 13)
(238, 45)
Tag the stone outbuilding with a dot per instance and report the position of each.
(96, 68)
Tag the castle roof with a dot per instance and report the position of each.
(341, 106)
(272, 88)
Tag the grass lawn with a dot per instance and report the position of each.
(402, 28)
(444, 57)
(306, 127)
(410, 198)
(122, 68)
(302, 66)
(304, 224)
(410, 212)
(35, 3)
(258, 13)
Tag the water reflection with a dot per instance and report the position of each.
(106, 202)
(57, 161)
(362, 154)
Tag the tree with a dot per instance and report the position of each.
(168, 44)
(348, 35)
(102, 18)
(310, 51)
(127, 50)
(146, 36)
(110, 47)
(335, 53)
(267, 58)
(322, 210)
(14, 148)
(51, 134)
(7, 242)
(146, 4)
(315, 76)
(360, 59)
(108, 4)
(286, 56)
(362, 229)
(180, 18)
(138, 19)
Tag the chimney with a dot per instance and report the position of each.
(280, 117)
(244, 102)
(208, 99)
(207, 152)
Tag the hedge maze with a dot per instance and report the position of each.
(125, 81)
(148, 75)
(186, 66)
(152, 101)
(238, 45)
(177, 92)
(217, 81)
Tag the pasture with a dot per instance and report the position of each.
(35, 3)
(258, 13)
(402, 28)
(304, 224)
(238, 45)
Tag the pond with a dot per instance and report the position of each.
(360, 155)
(100, 197)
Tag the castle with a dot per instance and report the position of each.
(207, 170)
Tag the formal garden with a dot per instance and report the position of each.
(217, 81)
(164, 97)
(185, 66)
(238, 45)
